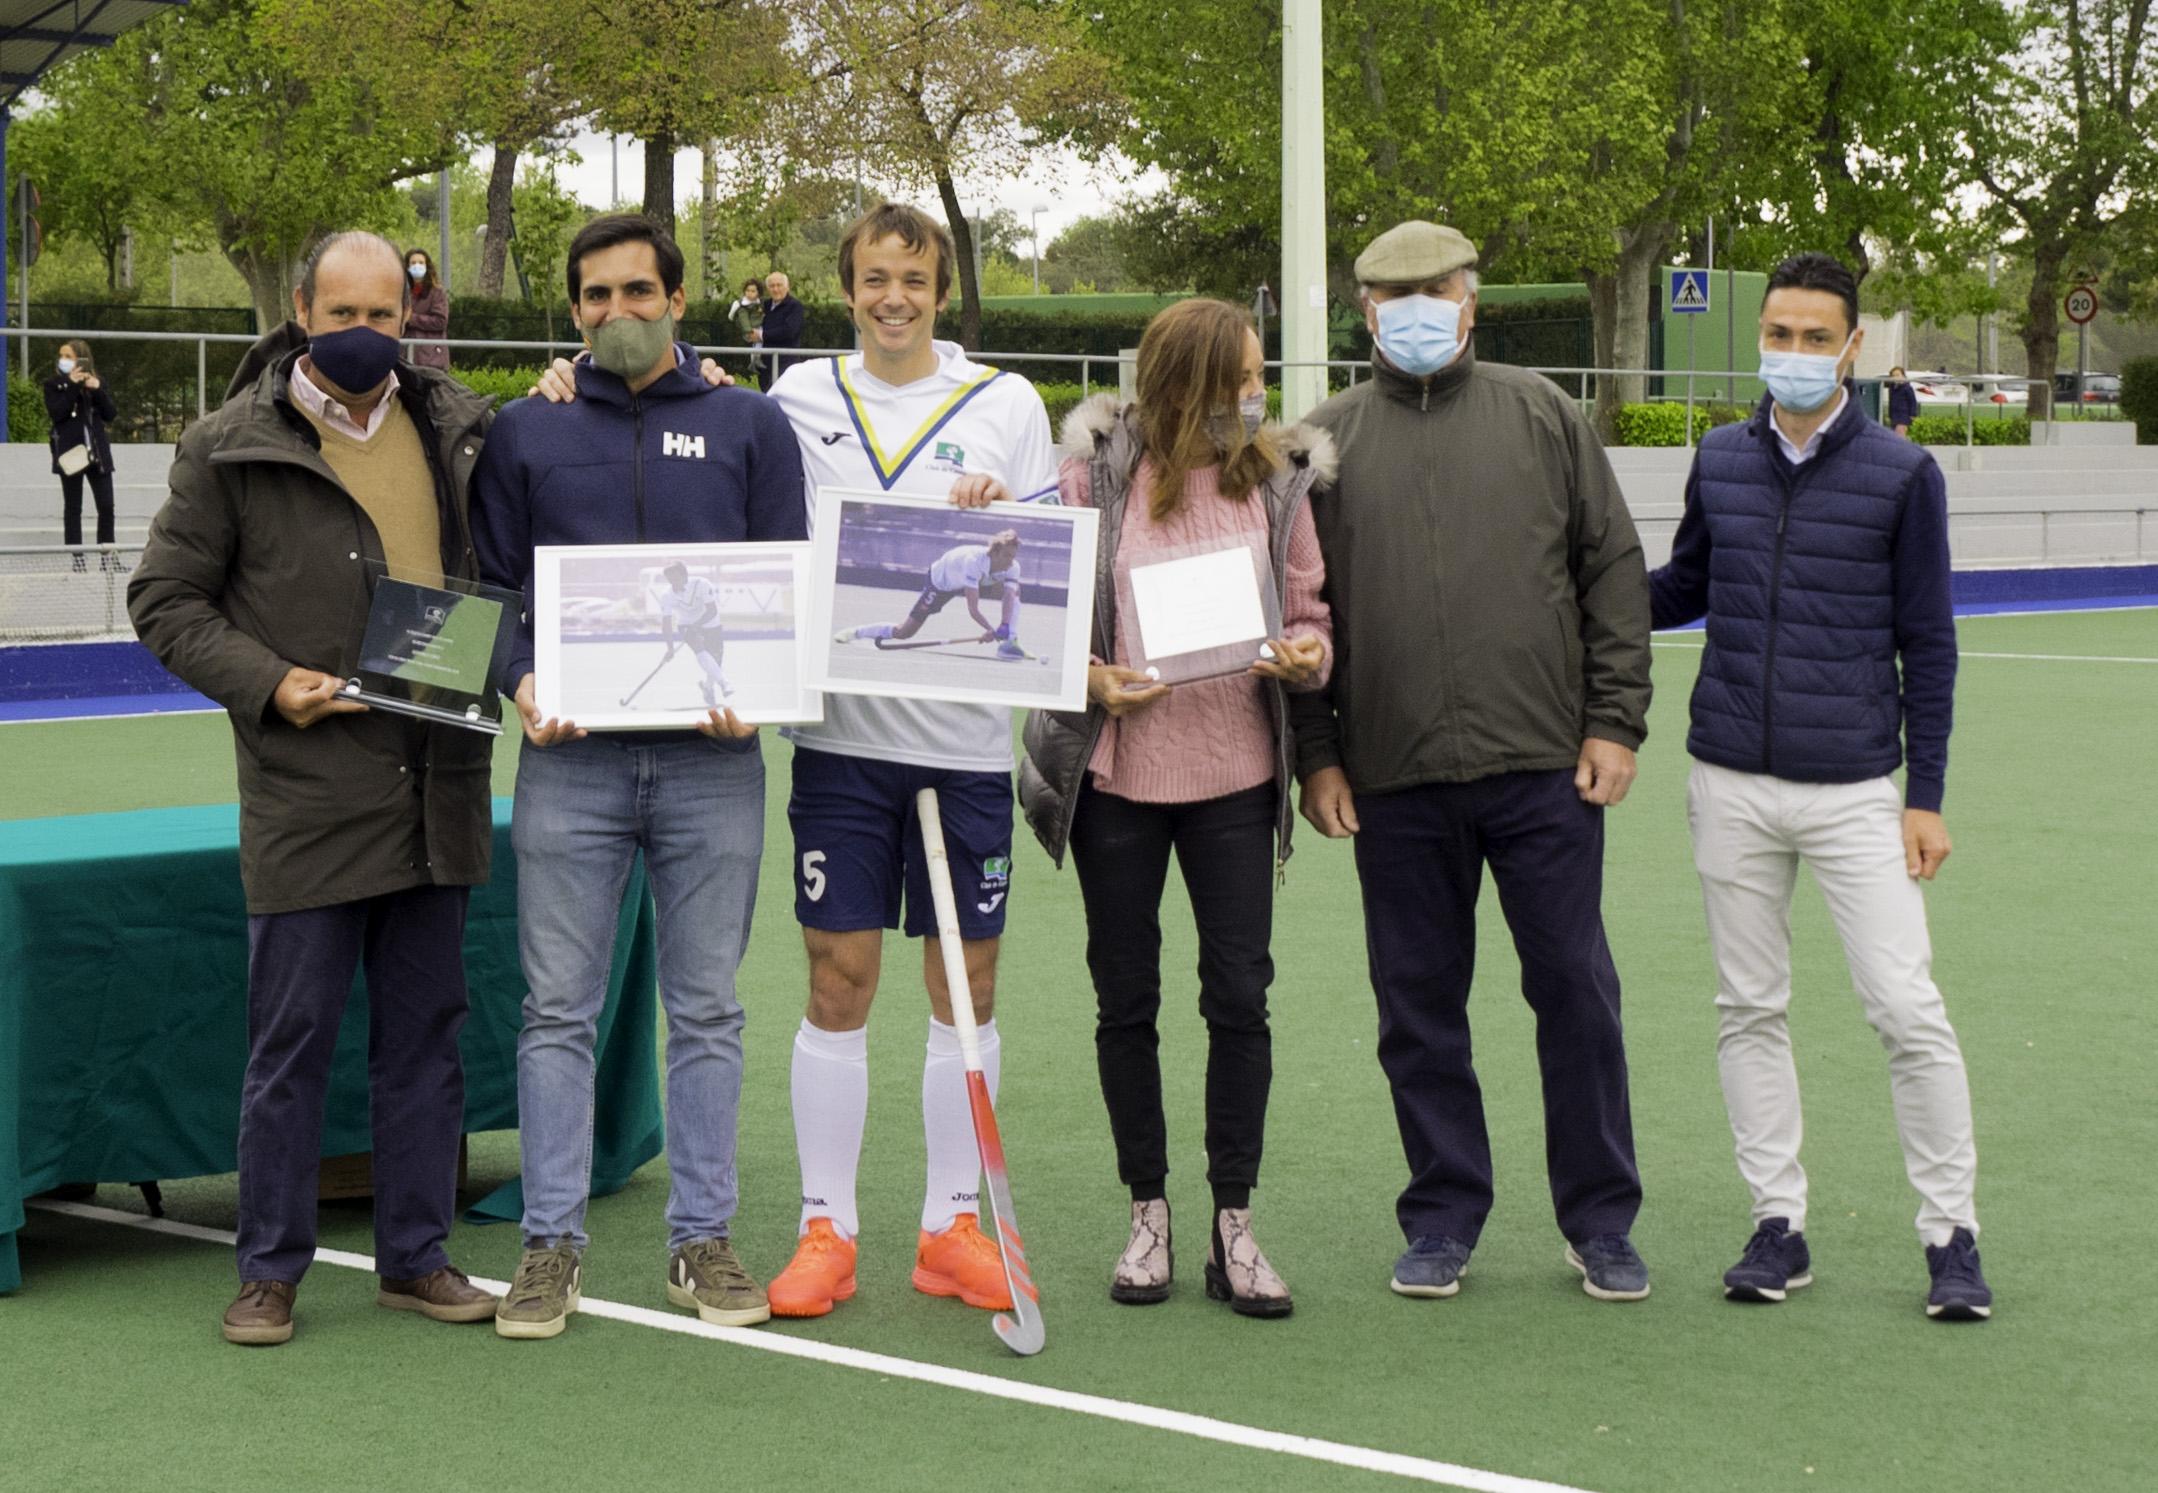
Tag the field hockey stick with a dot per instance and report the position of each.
(891, 645)
(664, 659)
(1022, 1331)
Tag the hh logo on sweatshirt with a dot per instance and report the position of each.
(691, 446)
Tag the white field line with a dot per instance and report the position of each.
(2049, 658)
(1206, 1428)
(118, 715)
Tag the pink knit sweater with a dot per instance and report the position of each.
(1212, 738)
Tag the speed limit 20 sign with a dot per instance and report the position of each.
(2081, 305)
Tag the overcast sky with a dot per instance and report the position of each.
(1061, 185)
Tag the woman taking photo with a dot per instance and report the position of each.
(430, 312)
(80, 405)
(1201, 769)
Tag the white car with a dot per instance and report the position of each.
(1939, 388)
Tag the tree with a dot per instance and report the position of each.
(95, 185)
(1089, 251)
(269, 161)
(676, 73)
(2062, 142)
(929, 90)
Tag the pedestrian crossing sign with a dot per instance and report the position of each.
(1689, 292)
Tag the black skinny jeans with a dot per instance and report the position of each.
(71, 504)
(1225, 847)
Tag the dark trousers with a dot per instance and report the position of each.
(299, 971)
(71, 504)
(1420, 855)
(1225, 848)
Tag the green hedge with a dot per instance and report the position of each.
(26, 411)
(1664, 423)
(2139, 397)
(1948, 430)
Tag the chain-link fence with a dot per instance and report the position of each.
(55, 593)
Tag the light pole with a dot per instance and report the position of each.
(1034, 217)
(1303, 209)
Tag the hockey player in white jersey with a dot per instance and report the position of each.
(691, 604)
(977, 572)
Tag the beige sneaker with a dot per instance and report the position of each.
(261, 1315)
(548, 1287)
(706, 1276)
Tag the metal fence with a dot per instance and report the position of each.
(1109, 370)
(65, 593)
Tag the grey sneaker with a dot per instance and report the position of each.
(549, 1286)
(706, 1277)
(1432, 1265)
(1610, 1270)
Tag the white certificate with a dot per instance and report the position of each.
(1197, 603)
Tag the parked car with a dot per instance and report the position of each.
(2000, 389)
(2087, 388)
(1939, 388)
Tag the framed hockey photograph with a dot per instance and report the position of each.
(633, 637)
(919, 599)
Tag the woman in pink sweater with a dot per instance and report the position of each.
(1200, 769)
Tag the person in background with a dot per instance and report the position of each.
(782, 326)
(1816, 547)
(747, 314)
(430, 312)
(362, 832)
(1902, 403)
(79, 406)
(1202, 770)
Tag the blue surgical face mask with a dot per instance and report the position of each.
(417, 271)
(1803, 382)
(1420, 334)
(67, 365)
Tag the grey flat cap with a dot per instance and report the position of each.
(1413, 252)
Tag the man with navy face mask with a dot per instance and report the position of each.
(361, 832)
(1490, 686)
(1816, 545)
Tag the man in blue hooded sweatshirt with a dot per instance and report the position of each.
(649, 454)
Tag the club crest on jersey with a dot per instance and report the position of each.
(949, 456)
(672, 444)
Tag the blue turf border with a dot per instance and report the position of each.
(77, 681)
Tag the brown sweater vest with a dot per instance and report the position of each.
(388, 476)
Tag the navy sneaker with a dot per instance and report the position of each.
(1774, 1265)
(1610, 1270)
(1432, 1265)
(1959, 1291)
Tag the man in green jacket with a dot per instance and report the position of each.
(1491, 682)
(361, 832)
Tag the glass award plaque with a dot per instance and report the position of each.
(1197, 612)
(433, 649)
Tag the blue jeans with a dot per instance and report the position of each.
(584, 809)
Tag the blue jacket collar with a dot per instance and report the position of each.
(679, 382)
(1841, 431)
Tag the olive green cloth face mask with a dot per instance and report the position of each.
(628, 346)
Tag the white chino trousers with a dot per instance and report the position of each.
(1750, 832)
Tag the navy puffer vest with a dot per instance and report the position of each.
(1817, 576)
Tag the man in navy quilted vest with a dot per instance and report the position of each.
(1815, 543)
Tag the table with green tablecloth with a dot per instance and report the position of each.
(123, 1013)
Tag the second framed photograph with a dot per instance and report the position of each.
(917, 598)
(651, 636)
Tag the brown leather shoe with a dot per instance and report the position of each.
(445, 1296)
(262, 1313)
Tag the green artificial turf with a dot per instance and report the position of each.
(110, 1365)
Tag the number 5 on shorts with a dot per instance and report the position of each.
(813, 875)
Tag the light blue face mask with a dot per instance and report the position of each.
(1803, 382)
(1420, 334)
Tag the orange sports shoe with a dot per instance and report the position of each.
(820, 1274)
(961, 1261)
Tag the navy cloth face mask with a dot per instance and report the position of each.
(357, 359)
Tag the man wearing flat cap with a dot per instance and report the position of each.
(1491, 683)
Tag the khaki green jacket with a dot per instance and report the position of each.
(256, 564)
(1491, 608)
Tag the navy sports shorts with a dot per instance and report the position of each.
(931, 602)
(858, 844)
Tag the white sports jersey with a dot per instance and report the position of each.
(689, 605)
(965, 568)
(856, 431)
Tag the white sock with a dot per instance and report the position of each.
(831, 1100)
(955, 1166)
